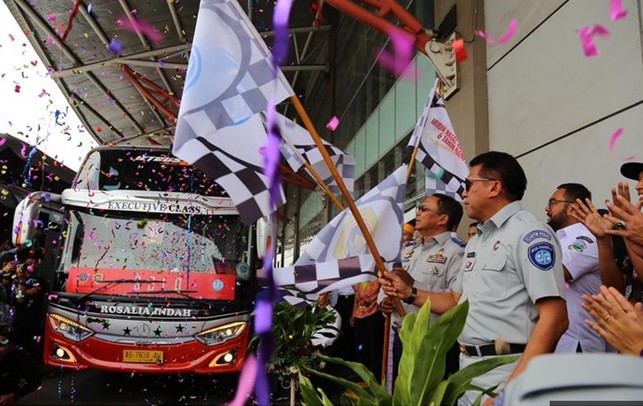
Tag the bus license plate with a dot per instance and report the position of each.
(143, 356)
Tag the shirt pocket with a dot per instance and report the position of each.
(492, 280)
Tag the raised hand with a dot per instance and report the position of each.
(586, 213)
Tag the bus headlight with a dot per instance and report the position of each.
(221, 334)
(69, 328)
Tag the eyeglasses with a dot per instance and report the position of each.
(469, 181)
(552, 202)
(422, 208)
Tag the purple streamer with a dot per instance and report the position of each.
(264, 307)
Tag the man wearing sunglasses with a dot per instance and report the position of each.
(18, 372)
(431, 262)
(512, 275)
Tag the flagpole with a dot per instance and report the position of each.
(387, 319)
(313, 173)
(349, 201)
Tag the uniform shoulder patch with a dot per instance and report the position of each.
(536, 234)
(585, 238)
(458, 241)
(542, 255)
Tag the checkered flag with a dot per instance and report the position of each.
(298, 145)
(229, 81)
(300, 285)
(230, 76)
(338, 256)
(439, 149)
(382, 211)
(238, 171)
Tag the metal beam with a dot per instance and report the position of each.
(43, 26)
(177, 22)
(297, 30)
(95, 27)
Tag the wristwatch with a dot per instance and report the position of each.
(412, 296)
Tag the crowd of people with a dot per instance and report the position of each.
(570, 285)
(22, 301)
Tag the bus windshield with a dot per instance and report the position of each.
(201, 255)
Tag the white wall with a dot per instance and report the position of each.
(557, 109)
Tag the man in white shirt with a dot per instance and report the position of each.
(580, 266)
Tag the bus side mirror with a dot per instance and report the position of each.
(265, 234)
(25, 218)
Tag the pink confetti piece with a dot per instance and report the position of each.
(52, 18)
(17, 89)
(23, 151)
(398, 61)
(587, 34)
(43, 93)
(615, 137)
(333, 123)
(246, 381)
(52, 296)
(513, 25)
(616, 10)
(141, 27)
(2, 141)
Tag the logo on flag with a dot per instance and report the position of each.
(439, 149)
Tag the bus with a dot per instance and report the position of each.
(150, 268)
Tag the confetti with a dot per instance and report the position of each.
(141, 27)
(333, 123)
(398, 62)
(459, 51)
(513, 25)
(587, 34)
(115, 47)
(616, 10)
(17, 89)
(615, 137)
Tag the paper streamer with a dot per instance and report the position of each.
(616, 10)
(246, 381)
(141, 27)
(398, 61)
(615, 137)
(513, 25)
(587, 34)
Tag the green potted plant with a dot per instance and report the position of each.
(421, 369)
(294, 353)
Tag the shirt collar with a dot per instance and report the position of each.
(439, 238)
(503, 215)
(576, 228)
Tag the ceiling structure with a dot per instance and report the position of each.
(125, 85)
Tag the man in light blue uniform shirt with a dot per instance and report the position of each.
(512, 275)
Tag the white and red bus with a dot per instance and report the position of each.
(151, 268)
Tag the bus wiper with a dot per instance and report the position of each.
(106, 284)
(201, 302)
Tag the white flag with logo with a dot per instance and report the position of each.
(338, 256)
(439, 149)
(229, 82)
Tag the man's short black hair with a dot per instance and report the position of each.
(505, 168)
(575, 191)
(474, 224)
(450, 207)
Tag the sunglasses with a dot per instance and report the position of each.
(470, 181)
(422, 208)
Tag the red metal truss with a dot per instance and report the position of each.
(379, 20)
(163, 101)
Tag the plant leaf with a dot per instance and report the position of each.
(461, 380)
(366, 375)
(308, 395)
(361, 394)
